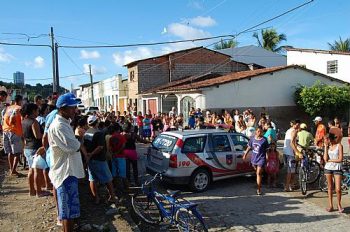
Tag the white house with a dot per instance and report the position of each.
(270, 89)
(108, 94)
(252, 54)
(332, 63)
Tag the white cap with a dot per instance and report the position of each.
(91, 119)
(318, 118)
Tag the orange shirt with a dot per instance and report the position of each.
(16, 125)
(320, 133)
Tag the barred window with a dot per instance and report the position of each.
(332, 66)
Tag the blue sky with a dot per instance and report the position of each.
(125, 22)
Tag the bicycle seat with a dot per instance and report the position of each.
(173, 193)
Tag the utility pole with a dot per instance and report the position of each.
(54, 84)
(57, 75)
(92, 87)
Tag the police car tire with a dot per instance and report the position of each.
(193, 176)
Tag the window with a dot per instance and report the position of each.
(194, 145)
(332, 66)
(132, 75)
(164, 143)
(240, 142)
(221, 143)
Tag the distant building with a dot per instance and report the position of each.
(332, 63)
(18, 78)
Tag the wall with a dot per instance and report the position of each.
(318, 62)
(133, 84)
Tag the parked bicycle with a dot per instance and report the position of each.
(154, 207)
(310, 169)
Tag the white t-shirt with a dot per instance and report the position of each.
(287, 148)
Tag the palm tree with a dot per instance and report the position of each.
(223, 44)
(270, 39)
(341, 45)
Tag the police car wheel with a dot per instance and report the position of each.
(200, 180)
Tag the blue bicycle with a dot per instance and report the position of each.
(154, 207)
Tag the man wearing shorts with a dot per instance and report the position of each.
(95, 144)
(12, 136)
(66, 163)
(289, 149)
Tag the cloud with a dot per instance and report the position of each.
(89, 55)
(122, 58)
(196, 4)
(4, 56)
(94, 69)
(37, 63)
(186, 32)
(201, 21)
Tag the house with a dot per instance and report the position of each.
(332, 63)
(270, 89)
(255, 55)
(152, 72)
(109, 94)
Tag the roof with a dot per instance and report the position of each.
(252, 54)
(171, 53)
(186, 80)
(235, 76)
(317, 51)
(88, 84)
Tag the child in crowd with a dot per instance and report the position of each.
(130, 152)
(272, 166)
(39, 165)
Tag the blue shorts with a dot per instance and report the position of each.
(48, 157)
(99, 171)
(29, 154)
(68, 199)
(146, 132)
(119, 167)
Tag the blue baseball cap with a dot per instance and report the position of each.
(67, 99)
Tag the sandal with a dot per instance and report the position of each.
(43, 194)
(330, 209)
(341, 210)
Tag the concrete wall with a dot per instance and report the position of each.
(318, 62)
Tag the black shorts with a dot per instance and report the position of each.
(333, 172)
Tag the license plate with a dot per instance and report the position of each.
(156, 160)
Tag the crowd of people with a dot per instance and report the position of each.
(61, 145)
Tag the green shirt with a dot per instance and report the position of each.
(305, 138)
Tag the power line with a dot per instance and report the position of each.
(25, 45)
(43, 79)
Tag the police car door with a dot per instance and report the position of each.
(222, 153)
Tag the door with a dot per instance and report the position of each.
(240, 144)
(222, 152)
(186, 104)
(121, 107)
(152, 106)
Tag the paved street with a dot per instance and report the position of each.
(232, 205)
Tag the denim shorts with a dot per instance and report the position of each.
(99, 171)
(333, 172)
(119, 167)
(290, 163)
(29, 154)
(12, 143)
(68, 199)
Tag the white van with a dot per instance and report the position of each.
(198, 157)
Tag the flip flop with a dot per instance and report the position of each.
(341, 210)
(329, 209)
(43, 194)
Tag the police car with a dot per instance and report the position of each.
(198, 157)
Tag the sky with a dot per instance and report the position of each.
(105, 22)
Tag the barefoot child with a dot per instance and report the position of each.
(39, 165)
(272, 166)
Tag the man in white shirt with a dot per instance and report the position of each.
(66, 164)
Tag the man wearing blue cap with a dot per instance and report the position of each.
(66, 164)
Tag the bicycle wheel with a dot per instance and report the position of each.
(314, 172)
(303, 180)
(189, 220)
(322, 183)
(146, 208)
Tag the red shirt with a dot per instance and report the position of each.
(139, 121)
(116, 143)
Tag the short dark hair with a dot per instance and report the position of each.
(3, 93)
(43, 108)
(29, 108)
(18, 98)
(37, 98)
(331, 122)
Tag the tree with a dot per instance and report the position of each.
(270, 39)
(225, 44)
(341, 45)
(321, 99)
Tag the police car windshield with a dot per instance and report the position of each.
(164, 143)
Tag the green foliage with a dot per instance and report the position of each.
(341, 45)
(321, 99)
(225, 44)
(270, 39)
